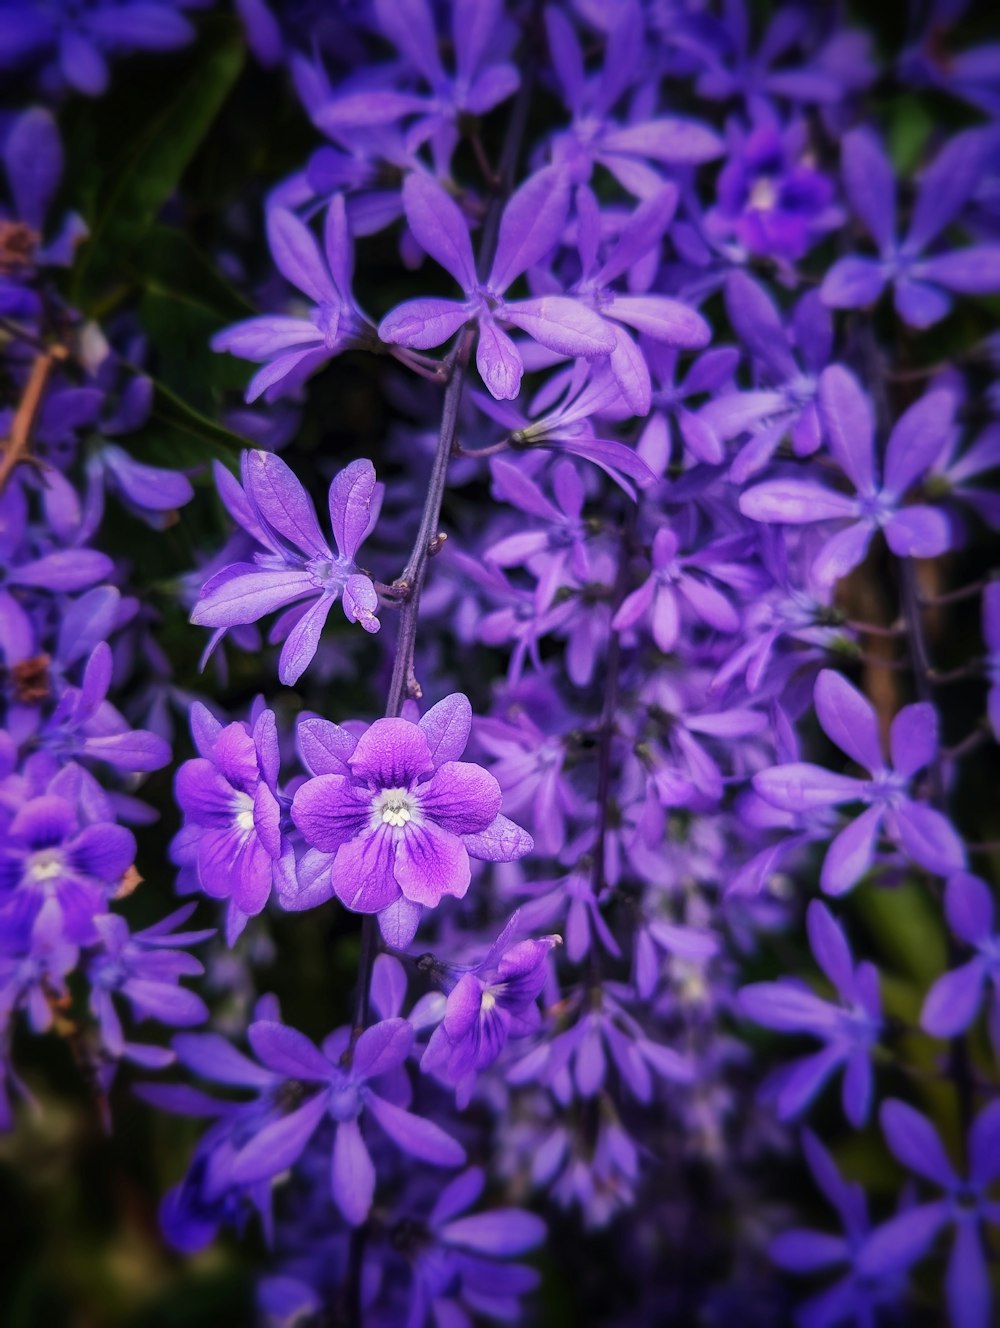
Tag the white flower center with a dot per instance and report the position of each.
(394, 807)
(44, 866)
(244, 812)
(488, 1001)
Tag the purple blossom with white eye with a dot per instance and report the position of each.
(403, 816)
(63, 847)
(490, 1003)
(770, 196)
(911, 531)
(531, 226)
(904, 1240)
(454, 1254)
(292, 346)
(297, 562)
(144, 969)
(923, 286)
(850, 1029)
(298, 1087)
(80, 39)
(953, 1001)
(923, 834)
(232, 816)
(857, 1296)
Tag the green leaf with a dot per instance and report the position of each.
(152, 160)
(906, 927)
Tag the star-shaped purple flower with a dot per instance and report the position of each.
(297, 562)
(848, 719)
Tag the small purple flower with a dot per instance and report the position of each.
(490, 1003)
(923, 287)
(914, 531)
(849, 1029)
(531, 226)
(454, 1255)
(297, 562)
(403, 815)
(299, 1086)
(53, 850)
(857, 1296)
(966, 1206)
(293, 347)
(848, 719)
(144, 969)
(232, 818)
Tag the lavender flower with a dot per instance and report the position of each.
(954, 1000)
(403, 815)
(296, 563)
(849, 1029)
(531, 226)
(849, 720)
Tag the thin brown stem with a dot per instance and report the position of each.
(22, 426)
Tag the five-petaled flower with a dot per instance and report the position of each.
(402, 815)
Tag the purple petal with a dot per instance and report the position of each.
(919, 532)
(953, 1001)
(278, 1145)
(913, 738)
(424, 323)
(968, 904)
(498, 361)
(503, 841)
(915, 1143)
(929, 838)
(416, 1136)
(902, 1241)
(972, 271)
(500, 1234)
(430, 863)
(562, 324)
(439, 227)
(829, 945)
(350, 506)
(462, 797)
(362, 871)
(352, 1175)
(330, 811)
(870, 184)
(282, 503)
(967, 1282)
(917, 439)
(851, 853)
(288, 1052)
(531, 226)
(848, 424)
(795, 502)
(799, 787)
(382, 1048)
(849, 719)
(391, 753)
(297, 255)
(853, 283)
(447, 726)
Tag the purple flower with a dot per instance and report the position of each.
(82, 37)
(923, 287)
(453, 1257)
(490, 1003)
(857, 1296)
(293, 347)
(849, 1029)
(58, 846)
(770, 196)
(849, 720)
(403, 815)
(297, 563)
(145, 970)
(904, 1240)
(299, 1086)
(954, 1000)
(675, 581)
(232, 818)
(556, 555)
(915, 531)
(531, 226)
